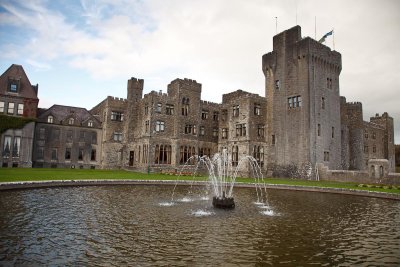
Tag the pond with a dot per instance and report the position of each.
(139, 225)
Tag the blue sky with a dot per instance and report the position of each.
(81, 51)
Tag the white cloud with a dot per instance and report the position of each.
(218, 43)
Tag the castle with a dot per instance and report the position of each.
(302, 120)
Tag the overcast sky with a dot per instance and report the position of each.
(81, 51)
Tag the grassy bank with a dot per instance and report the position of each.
(26, 174)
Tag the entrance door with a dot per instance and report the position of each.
(131, 157)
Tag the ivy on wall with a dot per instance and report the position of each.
(10, 122)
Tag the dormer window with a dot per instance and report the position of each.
(71, 121)
(50, 119)
(90, 123)
(13, 87)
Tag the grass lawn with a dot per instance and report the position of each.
(39, 174)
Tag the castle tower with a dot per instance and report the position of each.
(134, 95)
(352, 135)
(389, 148)
(303, 102)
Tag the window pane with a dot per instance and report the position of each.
(10, 108)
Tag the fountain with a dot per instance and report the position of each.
(222, 177)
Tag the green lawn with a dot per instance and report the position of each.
(28, 174)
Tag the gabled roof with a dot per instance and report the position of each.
(17, 73)
(61, 113)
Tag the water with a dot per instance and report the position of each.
(129, 226)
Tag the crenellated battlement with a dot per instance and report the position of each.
(116, 99)
(204, 102)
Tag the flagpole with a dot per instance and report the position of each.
(333, 38)
(315, 27)
(276, 25)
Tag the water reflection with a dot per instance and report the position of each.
(139, 225)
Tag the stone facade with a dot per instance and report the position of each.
(301, 121)
(18, 99)
(67, 137)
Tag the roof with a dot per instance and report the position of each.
(17, 73)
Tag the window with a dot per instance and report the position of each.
(169, 109)
(162, 154)
(366, 149)
(69, 136)
(204, 151)
(42, 133)
(117, 116)
(40, 153)
(147, 126)
(146, 109)
(204, 114)
(365, 134)
(82, 135)
(190, 129)
(235, 111)
(202, 131)
(273, 139)
(94, 138)
(50, 119)
(241, 129)
(216, 116)
(257, 109)
(10, 108)
(333, 132)
(319, 129)
(328, 83)
(54, 155)
(80, 154)
(224, 133)
(1, 107)
(56, 134)
(93, 154)
(326, 156)
(71, 121)
(294, 102)
(158, 107)
(323, 103)
(235, 155)
(117, 136)
(7, 146)
(185, 106)
(277, 84)
(260, 130)
(16, 146)
(13, 87)
(90, 124)
(186, 152)
(374, 149)
(160, 126)
(215, 132)
(224, 114)
(373, 135)
(20, 110)
(68, 153)
(258, 154)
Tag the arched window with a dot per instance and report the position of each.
(90, 123)
(71, 121)
(50, 119)
(380, 171)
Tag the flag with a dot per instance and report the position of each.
(324, 37)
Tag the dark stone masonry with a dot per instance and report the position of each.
(302, 120)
